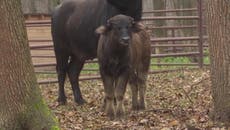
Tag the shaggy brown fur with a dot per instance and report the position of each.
(124, 56)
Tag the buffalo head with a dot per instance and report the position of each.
(121, 27)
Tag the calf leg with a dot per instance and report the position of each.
(75, 67)
(109, 109)
(134, 90)
(142, 89)
(103, 105)
(61, 67)
(119, 94)
(109, 96)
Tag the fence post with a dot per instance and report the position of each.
(200, 31)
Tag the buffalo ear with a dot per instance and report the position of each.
(104, 28)
(101, 30)
(138, 26)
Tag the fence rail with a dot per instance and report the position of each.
(171, 10)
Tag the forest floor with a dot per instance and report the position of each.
(176, 100)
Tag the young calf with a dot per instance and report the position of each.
(124, 56)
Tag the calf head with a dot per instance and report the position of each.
(121, 28)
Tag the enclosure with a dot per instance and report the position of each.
(177, 36)
(178, 93)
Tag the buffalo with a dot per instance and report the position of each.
(73, 27)
(124, 57)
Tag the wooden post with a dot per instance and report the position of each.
(200, 31)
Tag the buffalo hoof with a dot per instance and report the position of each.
(111, 116)
(102, 109)
(110, 111)
(120, 114)
(61, 101)
(135, 108)
(80, 102)
(141, 107)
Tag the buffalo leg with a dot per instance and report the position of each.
(120, 89)
(103, 105)
(109, 96)
(134, 90)
(75, 67)
(142, 89)
(61, 67)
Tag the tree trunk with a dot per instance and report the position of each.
(21, 104)
(218, 20)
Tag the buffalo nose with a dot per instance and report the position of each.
(125, 39)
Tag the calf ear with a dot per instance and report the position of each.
(138, 26)
(104, 28)
(101, 30)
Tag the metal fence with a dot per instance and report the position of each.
(163, 42)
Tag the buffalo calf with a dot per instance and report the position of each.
(124, 57)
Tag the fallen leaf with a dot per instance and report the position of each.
(174, 123)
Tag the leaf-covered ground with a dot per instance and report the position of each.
(176, 100)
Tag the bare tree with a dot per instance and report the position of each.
(21, 104)
(218, 21)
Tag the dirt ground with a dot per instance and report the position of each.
(175, 101)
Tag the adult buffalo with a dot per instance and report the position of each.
(73, 32)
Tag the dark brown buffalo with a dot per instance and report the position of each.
(124, 57)
(73, 26)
